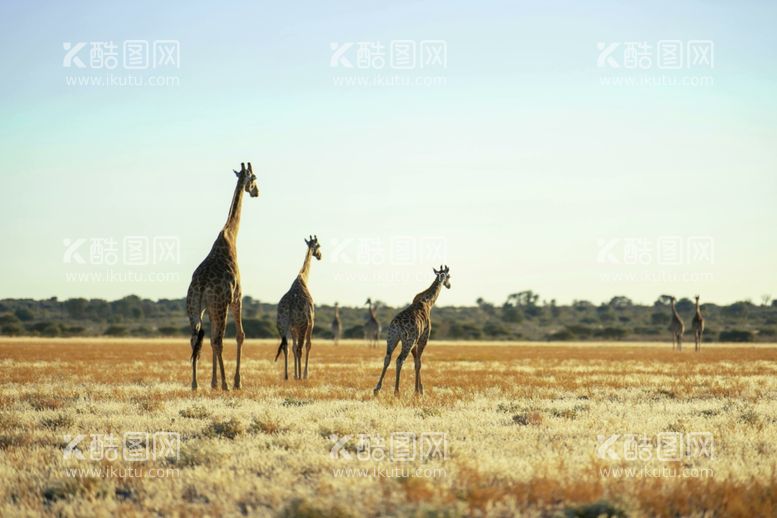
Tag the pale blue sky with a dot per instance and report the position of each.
(523, 162)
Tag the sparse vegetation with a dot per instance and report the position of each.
(521, 421)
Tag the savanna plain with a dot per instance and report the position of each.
(524, 429)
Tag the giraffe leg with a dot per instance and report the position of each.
(214, 364)
(307, 349)
(294, 354)
(218, 326)
(391, 344)
(417, 365)
(406, 346)
(240, 335)
(285, 349)
(297, 348)
(196, 342)
(679, 342)
(418, 350)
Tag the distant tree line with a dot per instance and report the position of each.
(522, 316)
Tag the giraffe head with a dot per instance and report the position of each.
(444, 275)
(696, 297)
(247, 179)
(314, 247)
(369, 302)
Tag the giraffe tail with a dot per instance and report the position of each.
(284, 344)
(197, 346)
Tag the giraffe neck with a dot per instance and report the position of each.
(372, 312)
(429, 296)
(674, 312)
(698, 309)
(337, 313)
(233, 218)
(305, 270)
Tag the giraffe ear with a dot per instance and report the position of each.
(435, 271)
(236, 173)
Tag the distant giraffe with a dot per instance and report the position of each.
(698, 326)
(296, 315)
(372, 326)
(337, 325)
(677, 328)
(215, 287)
(413, 326)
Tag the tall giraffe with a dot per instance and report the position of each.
(337, 326)
(677, 328)
(698, 326)
(412, 326)
(372, 326)
(215, 287)
(296, 315)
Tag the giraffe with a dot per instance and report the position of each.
(215, 287)
(372, 326)
(412, 326)
(337, 326)
(677, 328)
(296, 315)
(698, 326)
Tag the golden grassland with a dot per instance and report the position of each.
(521, 423)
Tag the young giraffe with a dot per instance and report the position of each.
(215, 286)
(698, 326)
(296, 315)
(677, 328)
(412, 326)
(337, 326)
(372, 326)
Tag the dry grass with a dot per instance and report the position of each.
(521, 421)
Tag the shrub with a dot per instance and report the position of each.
(116, 330)
(355, 332)
(24, 314)
(12, 329)
(736, 335)
(45, 329)
(563, 335)
(611, 333)
(228, 428)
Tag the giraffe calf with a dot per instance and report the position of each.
(412, 326)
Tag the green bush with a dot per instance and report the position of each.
(45, 329)
(12, 329)
(116, 330)
(736, 335)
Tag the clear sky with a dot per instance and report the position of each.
(518, 160)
